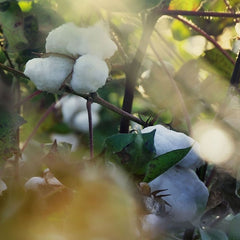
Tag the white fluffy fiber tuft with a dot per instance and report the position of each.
(89, 74)
(166, 140)
(75, 114)
(64, 39)
(188, 195)
(72, 40)
(49, 73)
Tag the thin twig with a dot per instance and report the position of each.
(28, 98)
(97, 99)
(208, 37)
(89, 110)
(196, 13)
(183, 105)
(12, 70)
(44, 116)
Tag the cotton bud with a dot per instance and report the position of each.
(166, 140)
(89, 74)
(48, 74)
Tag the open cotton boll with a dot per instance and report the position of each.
(65, 39)
(89, 74)
(188, 195)
(48, 74)
(80, 121)
(166, 140)
(72, 104)
(96, 41)
(35, 183)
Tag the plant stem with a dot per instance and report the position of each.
(12, 70)
(89, 110)
(132, 72)
(183, 105)
(208, 37)
(197, 13)
(235, 78)
(44, 116)
(97, 99)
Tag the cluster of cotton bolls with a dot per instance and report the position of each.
(73, 54)
(75, 113)
(187, 194)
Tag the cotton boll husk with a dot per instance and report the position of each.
(166, 140)
(66, 138)
(48, 74)
(97, 41)
(80, 121)
(89, 74)
(188, 195)
(65, 39)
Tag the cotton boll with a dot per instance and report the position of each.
(166, 140)
(34, 183)
(80, 121)
(72, 104)
(97, 41)
(89, 74)
(65, 39)
(48, 74)
(188, 195)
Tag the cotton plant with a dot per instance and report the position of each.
(186, 196)
(75, 56)
(75, 113)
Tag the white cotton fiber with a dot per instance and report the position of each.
(188, 195)
(80, 121)
(3, 186)
(71, 105)
(166, 140)
(35, 183)
(72, 40)
(65, 39)
(89, 74)
(48, 74)
(96, 41)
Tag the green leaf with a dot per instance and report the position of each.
(179, 30)
(162, 163)
(9, 124)
(213, 234)
(192, 5)
(218, 61)
(12, 24)
(117, 142)
(131, 151)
